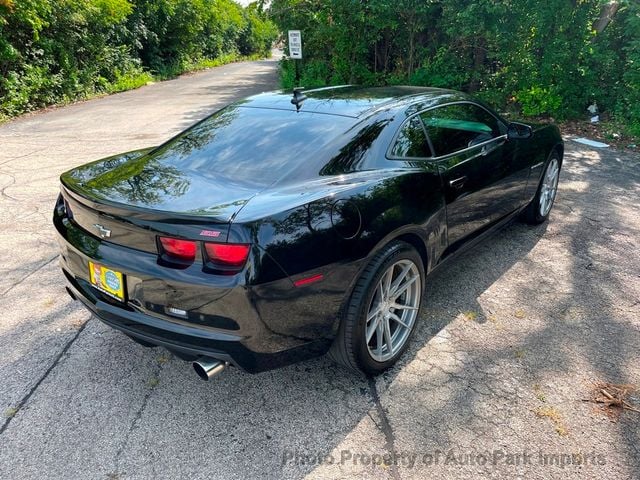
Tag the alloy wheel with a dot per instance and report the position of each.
(393, 310)
(549, 187)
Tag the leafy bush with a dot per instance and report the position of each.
(258, 33)
(128, 80)
(58, 50)
(547, 58)
(537, 101)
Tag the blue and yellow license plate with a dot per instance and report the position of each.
(107, 280)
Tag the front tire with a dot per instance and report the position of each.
(380, 316)
(538, 210)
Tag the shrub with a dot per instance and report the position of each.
(57, 50)
(536, 101)
(547, 58)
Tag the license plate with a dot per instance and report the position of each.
(107, 280)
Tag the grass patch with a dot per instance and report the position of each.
(179, 68)
(215, 62)
(539, 393)
(48, 303)
(554, 415)
(10, 412)
(164, 358)
(130, 81)
(470, 315)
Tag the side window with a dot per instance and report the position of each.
(455, 127)
(411, 141)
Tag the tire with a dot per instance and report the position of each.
(350, 347)
(540, 207)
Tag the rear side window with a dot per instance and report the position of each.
(411, 141)
(455, 127)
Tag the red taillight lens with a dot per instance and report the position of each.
(226, 254)
(184, 250)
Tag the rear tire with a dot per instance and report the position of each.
(540, 207)
(379, 318)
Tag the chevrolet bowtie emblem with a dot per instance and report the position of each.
(104, 232)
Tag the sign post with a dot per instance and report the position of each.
(295, 50)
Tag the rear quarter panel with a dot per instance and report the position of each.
(334, 235)
(329, 217)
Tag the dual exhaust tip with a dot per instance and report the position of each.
(207, 368)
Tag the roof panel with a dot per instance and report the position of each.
(351, 101)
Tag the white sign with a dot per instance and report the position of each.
(295, 44)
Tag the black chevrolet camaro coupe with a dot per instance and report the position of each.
(283, 227)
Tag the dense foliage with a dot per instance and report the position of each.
(538, 58)
(57, 50)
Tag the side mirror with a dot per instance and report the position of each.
(519, 131)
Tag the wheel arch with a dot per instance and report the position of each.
(410, 235)
(416, 242)
(559, 148)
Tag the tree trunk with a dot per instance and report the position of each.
(607, 14)
(386, 52)
(412, 48)
(375, 57)
(479, 58)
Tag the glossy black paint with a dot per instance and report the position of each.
(313, 192)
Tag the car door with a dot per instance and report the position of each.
(475, 163)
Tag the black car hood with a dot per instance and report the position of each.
(137, 179)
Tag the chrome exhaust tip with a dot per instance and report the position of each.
(207, 368)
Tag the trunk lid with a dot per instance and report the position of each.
(130, 199)
(142, 181)
(136, 228)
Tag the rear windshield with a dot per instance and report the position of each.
(258, 146)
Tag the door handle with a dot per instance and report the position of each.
(458, 182)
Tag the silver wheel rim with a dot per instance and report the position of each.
(549, 187)
(393, 310)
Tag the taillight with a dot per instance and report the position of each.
(183, 250)
(227, 254)
(224, 258)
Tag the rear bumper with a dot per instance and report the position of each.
(141, 327)
(255, 328)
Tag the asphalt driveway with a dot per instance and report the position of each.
(513, 337)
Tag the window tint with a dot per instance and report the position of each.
(411, 141)
(256, 146)
(456, 127)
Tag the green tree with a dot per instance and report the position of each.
(57, 50)
(537, 58)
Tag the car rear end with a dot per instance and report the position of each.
(167, 280)
(146, 241)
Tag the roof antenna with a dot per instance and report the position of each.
(298, 97)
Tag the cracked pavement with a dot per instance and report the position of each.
(512, 337)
